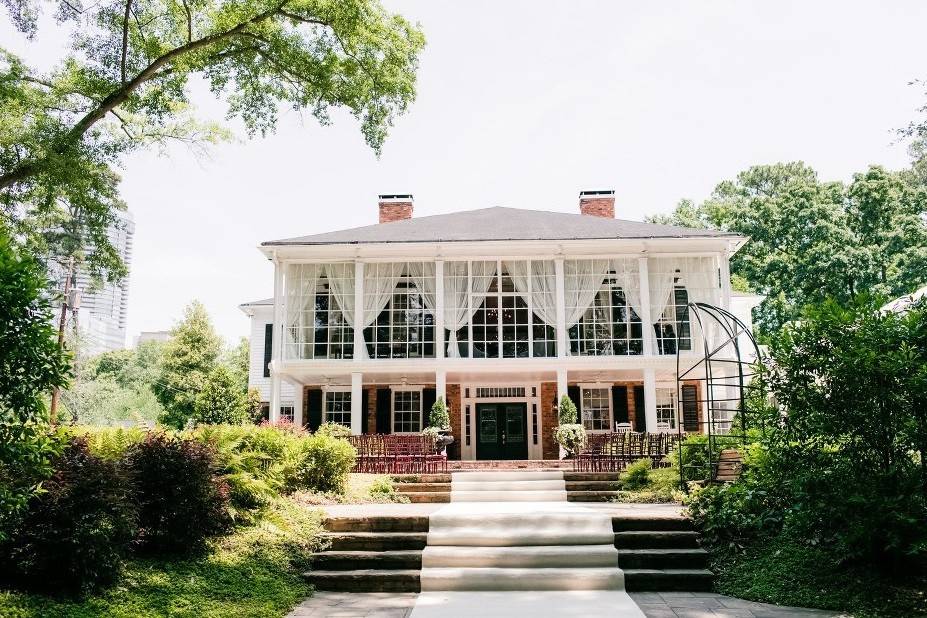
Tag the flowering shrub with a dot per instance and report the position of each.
(572, 437)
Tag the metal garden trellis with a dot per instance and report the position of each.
(724, 370)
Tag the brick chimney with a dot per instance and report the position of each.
(395, 208)
(597, 203)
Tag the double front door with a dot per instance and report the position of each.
(501, 431)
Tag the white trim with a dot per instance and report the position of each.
(606, 386)
(535, 451)
(335, 388)
(392, 408)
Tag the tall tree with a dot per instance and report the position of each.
(123, 85)
(189, 357)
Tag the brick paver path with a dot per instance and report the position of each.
(654, 605)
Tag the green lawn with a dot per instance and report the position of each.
(255, 571)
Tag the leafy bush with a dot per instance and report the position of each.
(333, 430)
(571, 437)
(75, 533)
(181, 500)
(567, 411)
(438, 416)
(222, 399)
(109, 443)
(382, 485)
(637, 474)
(326, 463)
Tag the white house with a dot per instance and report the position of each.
(499, 311)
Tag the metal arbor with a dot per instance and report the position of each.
(712, 392)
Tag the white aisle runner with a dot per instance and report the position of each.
(510, 545)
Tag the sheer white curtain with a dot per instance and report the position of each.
(661, 275)
(456, 313)
(543, 297)
(301, 283)
(700, 278)
(627, 274)
(380, 281)
(341, 283)
(582, 280)
(423, 276)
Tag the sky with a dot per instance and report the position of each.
(524, 104)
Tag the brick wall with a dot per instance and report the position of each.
(549, 448)
(453, 408)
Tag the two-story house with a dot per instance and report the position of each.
(498, 311)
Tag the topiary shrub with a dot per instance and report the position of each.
(637, 474)
(326, 463)
(567, 412)
(76, 532)
(572, 437)
(438, 416)
(181, 500)
(333, 430)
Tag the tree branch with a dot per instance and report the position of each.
(186, 7)
(301, 19)
(125, 38)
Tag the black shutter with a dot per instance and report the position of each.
(268, 347)
(690, 408)
(575, 396)
(314, 409)
(365, 405)
(384, 410)
(620, 403)
(429, 396)
(640, 417)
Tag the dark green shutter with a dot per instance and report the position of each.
(429, 396)
(314, 409)
(620, 403)
(365, 404)
(640, 418)
(690, 408)
(268, 347)
(575, 396)
(384, 409)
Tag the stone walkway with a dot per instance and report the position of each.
(654, 605)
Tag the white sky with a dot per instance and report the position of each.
(524, 104)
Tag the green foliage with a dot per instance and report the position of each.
(333, 430)
(189, 358)
(382, 486)
(572, 437)
(124, 83)
(662, 486)
(438, 416)
(110, 443)
(326, 463)
(222, 400)
(75, 534)
(181, 501)
(567, 412)
(31, 364)
(256, 571)
(812, 240)
(637, 474)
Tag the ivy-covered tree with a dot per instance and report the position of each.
(123, 85)
(189, 358)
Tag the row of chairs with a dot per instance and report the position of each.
(612, 452)
(397, 454)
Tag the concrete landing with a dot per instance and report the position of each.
(562, 604)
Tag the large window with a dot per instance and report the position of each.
(609, 326)
(317, 298)
(673, 328)
(407, 411)
(338, 407)
(596, 409)
(405, 326)
(666, 408)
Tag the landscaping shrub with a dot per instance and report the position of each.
(107, 442)
(326, 463)
(438, 416)
(76, 532)
(571, 437)
(566, 414)
(637, 474)
(181, 500)
(333, 430)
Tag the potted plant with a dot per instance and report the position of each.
(569, 434)
(439, 425)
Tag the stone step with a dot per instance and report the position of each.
(596, 578)
(374, 541)
(663, 559)
(596, 485)
(524, 557)
(422, 487)
(427, 496)
(509, 475)
(591, 496)
(649, 580)
(509, 485)
(366, 580)
(420, 478)
(591, 476)
(652, 539)
(491, 495)
(622, 523)
(385, 523)
(365, 560)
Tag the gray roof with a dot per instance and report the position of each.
(254, 303)
(499, 223)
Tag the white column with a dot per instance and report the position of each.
(439, 310)
(725, 267)
(298, 403)
(276, 353)
(562, 347)
(650, 399)
(357, 399)
(562, 384)
(360, 351)
(646, 321)
(440, 388)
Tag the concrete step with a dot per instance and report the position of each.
(652, 539)
(374, 541)
(649, 580)
(624, 522)
(378, 560)
(509, 475)
(591, 476)
(513, 486)
(538, 556)
(421, 478)
(427, 496)
(545, 495)
(422, 487)
(385, 523)
(520, 579)
(663, 558)
(366, 580)
(591, 496)
(597, 485)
